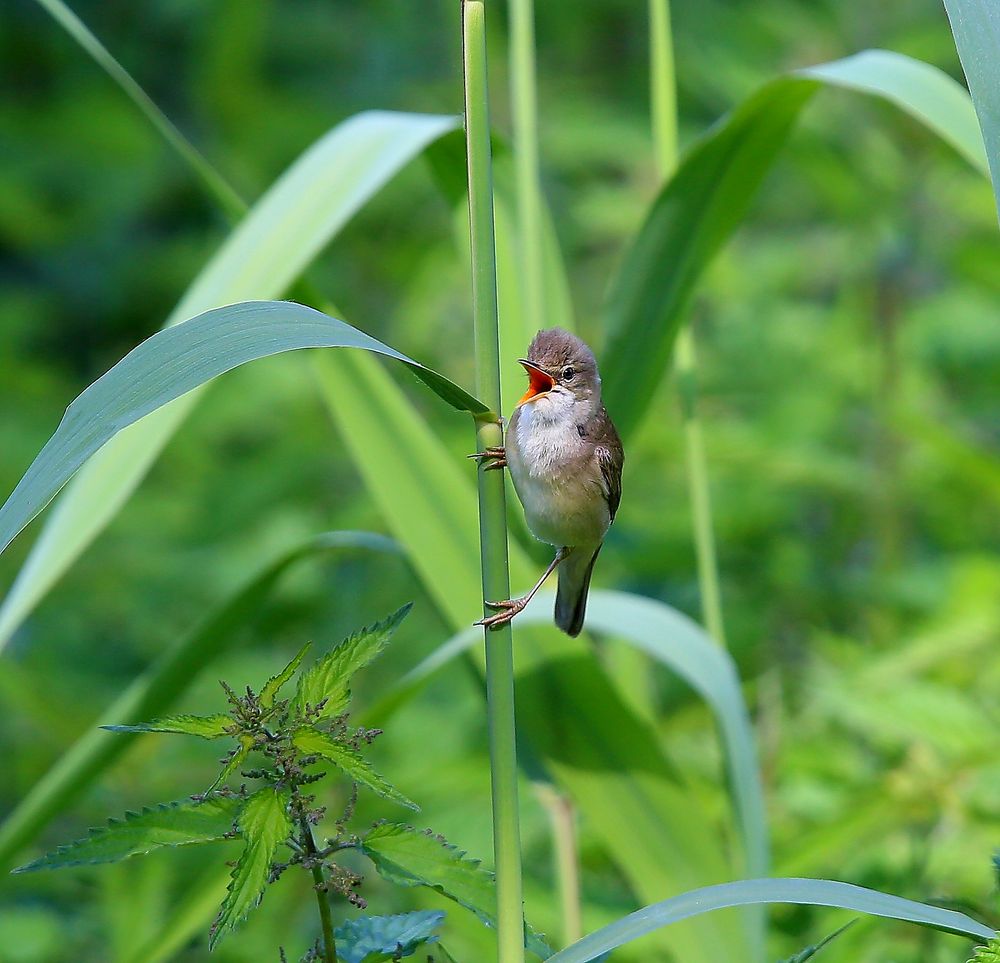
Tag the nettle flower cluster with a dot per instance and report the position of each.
(284, 746)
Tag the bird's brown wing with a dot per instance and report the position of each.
(610, 458)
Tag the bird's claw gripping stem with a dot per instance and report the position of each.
(508, 609)
(496, 456)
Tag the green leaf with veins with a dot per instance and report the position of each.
(208, 727)
(169, 824)
(374, 939)
(327, 682)
(410, 857)
(347, 758)
(265, 824)
(274, 684)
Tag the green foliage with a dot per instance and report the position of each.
(324, 687)
(169, 824)
(413, 857)
(349, 761)
(708, 198)
(172, 363)
(208, 727)
(265, 824)
(374, 939)
(273, 685)
(990, 953)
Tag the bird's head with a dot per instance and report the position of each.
(562, 375)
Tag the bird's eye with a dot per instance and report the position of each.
(568, 373)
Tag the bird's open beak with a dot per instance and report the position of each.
(539, 382)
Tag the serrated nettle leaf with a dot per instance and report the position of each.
(172, 363)
(156, 690)
(371, 939)
(411, 857)
(273, 685)
(170, 824)
(265, 824)
(327, 682)
(987, 954)
(236, 759)
(208, 727)
(348, 759)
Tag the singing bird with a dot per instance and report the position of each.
(565, 459)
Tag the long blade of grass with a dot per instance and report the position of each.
(751, 892)
(283, 232)
(710, 193)
(213, 183)
(976, 26)
(172, 363)
(156, 690)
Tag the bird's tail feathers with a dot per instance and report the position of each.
(574, 586)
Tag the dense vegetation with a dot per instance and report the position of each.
(847, 384)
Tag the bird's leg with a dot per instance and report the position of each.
(497, 456)
(511, 607)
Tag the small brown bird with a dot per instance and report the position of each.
(565, 459)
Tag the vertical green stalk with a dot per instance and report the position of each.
(524, 108)
(319, 884)
(663, 91)
(492, 507)
(527, 165)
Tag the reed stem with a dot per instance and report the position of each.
(663, 94)
(492, 505)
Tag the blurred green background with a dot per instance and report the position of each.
(850, 360)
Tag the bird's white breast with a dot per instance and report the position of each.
(555, 477)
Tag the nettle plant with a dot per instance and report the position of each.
(284, 746)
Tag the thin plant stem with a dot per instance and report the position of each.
(527, 165)
(326, 921)
(663, 95)
(562, 817)
(492, 504)
(524, 109)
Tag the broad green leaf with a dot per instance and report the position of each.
(750, 892)
(273, 685)
(976, 26)
(708, 197)
(171, 363)
(169, 824)
(411, 857)
(348, 759)
(374, 939)
(270, 248)
(578, 728)
(328, 680)
(157, 689)
(810, 951)
(208, 727)
(265, 825)
(681, 645)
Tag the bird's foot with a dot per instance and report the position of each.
(508, 609)
(496, 456)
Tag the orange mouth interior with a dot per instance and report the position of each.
(538, 382)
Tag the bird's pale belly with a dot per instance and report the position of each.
(558, 487)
